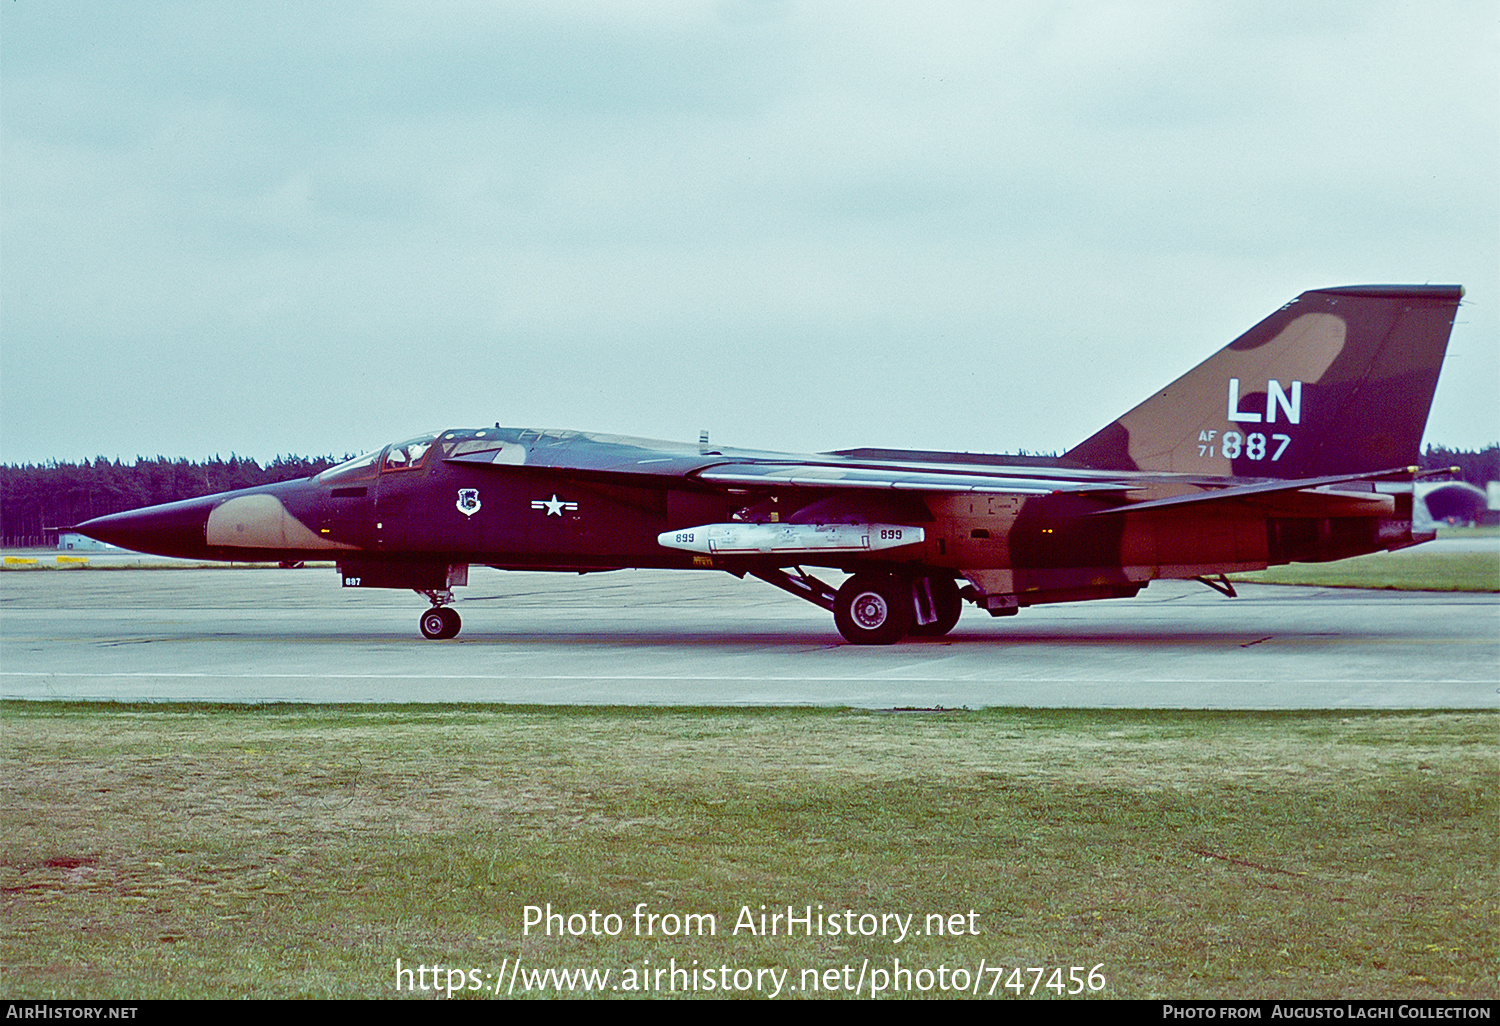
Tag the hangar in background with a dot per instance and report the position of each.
(1453, 502)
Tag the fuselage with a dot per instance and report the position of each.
(526, 499)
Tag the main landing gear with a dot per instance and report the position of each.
(873, 609)
(878, 609)
(936, 598)
(441, 621)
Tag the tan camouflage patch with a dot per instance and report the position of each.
(262, 522)
(1181, 429)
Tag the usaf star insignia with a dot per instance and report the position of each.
(468, 501)
(554, 506)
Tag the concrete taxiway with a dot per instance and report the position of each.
(646, 637)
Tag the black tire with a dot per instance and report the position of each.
(873, 609)
(947, 604)
(452, 622)
(433, 624)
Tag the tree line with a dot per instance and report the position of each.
(36, 500)
(1478, 467)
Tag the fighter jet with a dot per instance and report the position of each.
(1295, 443)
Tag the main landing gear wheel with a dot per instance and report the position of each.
(873, 609)
(945, 602)
(440, 622)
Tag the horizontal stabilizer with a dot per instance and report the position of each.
(1266, 489)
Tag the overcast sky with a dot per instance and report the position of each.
(312, 228)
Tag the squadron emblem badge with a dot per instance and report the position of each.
(468, 501)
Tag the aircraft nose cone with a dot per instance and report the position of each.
(173, 529)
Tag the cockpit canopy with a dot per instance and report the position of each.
(413, 453)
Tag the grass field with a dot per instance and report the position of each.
(1434, 571)
(176, 851)
(1415, 569)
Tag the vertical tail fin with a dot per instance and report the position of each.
(1338, 381)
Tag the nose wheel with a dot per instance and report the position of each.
(440, 622)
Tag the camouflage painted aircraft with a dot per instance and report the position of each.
(1295, 443)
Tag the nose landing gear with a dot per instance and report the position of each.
(441, 621)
